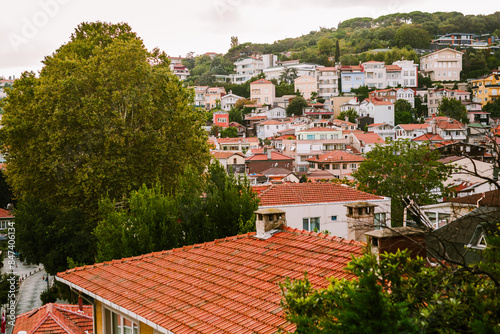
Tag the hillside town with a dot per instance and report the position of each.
(226, 207)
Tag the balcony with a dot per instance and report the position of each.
(236, 168)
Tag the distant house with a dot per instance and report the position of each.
(364, 142)
(327, 81)
(228, 101)
(384, 130)
(351, 77)
(486, 89)
(442, 65)
(394, 94)
(233, 162)
(6, 218)
(318, 133)
(306, 85)
(220, 118)
(410, 131)
(270, 128)
(257, 163)
(328, 207)
(262, 91)
(229, 285)
(58, 318)
(339, 163)
(380, 111)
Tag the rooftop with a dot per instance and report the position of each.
(224, 286)
(309, 193)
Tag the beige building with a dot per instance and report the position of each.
(262, 91)
(305, 85)
(442, 65)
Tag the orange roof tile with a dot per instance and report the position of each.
(56, 318)
(369, 138)
(274, 156)
(337, 156)
(261, 81)
(307, 193)
(224, 286)
(5, 214)
(408, 127)
(428, 137)
(392, 68)
(225, 154)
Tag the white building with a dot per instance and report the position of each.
(442, 65)
(302, 69)
(327, 79)
(228, 101)
(375, 74)
(380, 111)
(249, 67)
(409, 73)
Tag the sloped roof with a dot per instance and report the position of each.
(274, 156)
(56, 318)
(318, 129)
(5, 214)
(489, 198)
(225, 286)
(428, 137)
(261, 81)
(337, 156)
(393, 68)
(409, 127)
(225, 154)
(308, 193)
(369, 138)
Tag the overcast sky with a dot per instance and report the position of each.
(33, 29)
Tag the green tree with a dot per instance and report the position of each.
(289, 75)
(325, 46)
(493, 108)
(337, 51)
(296, 106)
(404, 296)
(403, 170)
(413, 36)
(206, 207)
(403, 112)
(47, 234)
(230, 132)
(453, 108)
(351, 114)
(103, 117)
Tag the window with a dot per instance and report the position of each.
(333, 218)
(114, 323)
(310, 224)
(380, 220)
(3, 224)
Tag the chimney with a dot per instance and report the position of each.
(268, 221)
(269, 156)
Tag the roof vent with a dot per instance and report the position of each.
(268, 221)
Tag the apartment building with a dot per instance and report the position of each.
(352, 77)
(375, 74)
(262, 91)
(306, 85)
(394, 94)
(435, 96)
(442, 65)
(486, 89)
(327, 79)
(249, 67)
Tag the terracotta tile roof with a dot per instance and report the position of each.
(308, 193)
(56, 318)
(428, 137)
(376, 124)
(255, 118)
(5, 214)
(378, 102)
(450, 125)
(224, 286)
(225, 154)
(337, 156)
(392, 68)
(274, 156)
(370, 138)
(271, 122)
(409, 127)
(261, 81)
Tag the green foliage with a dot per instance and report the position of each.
(4, 288)
(396, 294)
(493, 108)
(325, 46)
(104, 116)
(205, 207)
(48, 234)
(50, 295)
(403, 112)
(230, 132)
(289, 75)
(350, 113)
(296, 106)
(337, 51)
(453, 108)
(403, 170)
(362, 92)
(413, 36)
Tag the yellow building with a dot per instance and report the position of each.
(486, 89)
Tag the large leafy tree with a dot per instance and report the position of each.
(453, 108)
(396, 294)
(403, 112)
(403, 170)
(413, 36)
(350, 113)
(296, 106)
(104, 116)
